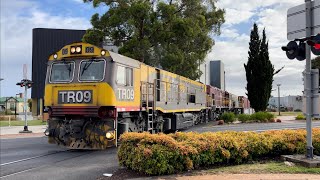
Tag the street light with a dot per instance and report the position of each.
(279, 97)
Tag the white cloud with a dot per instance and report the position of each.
(234, 16)
(18, 18)
(233, 48)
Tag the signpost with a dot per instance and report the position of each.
(303, 23)
(297, 20)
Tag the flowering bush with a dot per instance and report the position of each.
(157, 154)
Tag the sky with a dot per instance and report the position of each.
(19, 17)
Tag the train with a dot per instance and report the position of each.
(93, 95)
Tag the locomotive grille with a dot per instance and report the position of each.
(75, 110)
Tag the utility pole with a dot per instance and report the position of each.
(279, 97)
(205, 73)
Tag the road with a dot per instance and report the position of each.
(34, 158)
(258, 127)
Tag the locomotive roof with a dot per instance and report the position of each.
(124, 60)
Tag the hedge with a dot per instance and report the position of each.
(256, 117)
(157, 154)
(228, 117)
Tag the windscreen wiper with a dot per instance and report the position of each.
(68, 65)
(86, 65)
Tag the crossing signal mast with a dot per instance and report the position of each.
(26, 83)
(303, 31)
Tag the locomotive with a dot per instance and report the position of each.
(93, 95)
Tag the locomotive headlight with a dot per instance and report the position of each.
(103, 52)
(110, 135)
(73, 50)
(55, 56)
(78, 49)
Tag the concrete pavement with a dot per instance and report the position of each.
(13, 131)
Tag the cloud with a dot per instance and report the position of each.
(232, 46)
(18, 18)
(235, 16)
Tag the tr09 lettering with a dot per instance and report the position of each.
(69, 97)
(125, 94)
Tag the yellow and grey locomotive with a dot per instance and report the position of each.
(93, 95)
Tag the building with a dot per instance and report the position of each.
(217, 74)
(44, 43)
(291, 103)
(12, 104)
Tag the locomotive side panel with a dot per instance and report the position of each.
(179, 94)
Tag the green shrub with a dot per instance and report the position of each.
(262, 117)
(244, 118)
(300, 117)
(228, 117)
(157, 154)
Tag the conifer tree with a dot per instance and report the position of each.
(259, 71)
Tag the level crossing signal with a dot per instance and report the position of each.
(25, 82)
(314, 42)
(295, 51)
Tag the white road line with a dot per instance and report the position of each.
(17, 173)
(12, 162)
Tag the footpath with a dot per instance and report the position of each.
(245, 177)
(13, 131)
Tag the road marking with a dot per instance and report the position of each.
(46, 165)
(34, 157)
(17, 173)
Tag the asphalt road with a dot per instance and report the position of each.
(258, 127)
(34, 158)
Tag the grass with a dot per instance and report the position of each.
(267, 167)
(21, 123)
(286, 113)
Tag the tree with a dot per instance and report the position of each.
(315, 63)
(30, 104)
(173, 34)
(259, 71)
